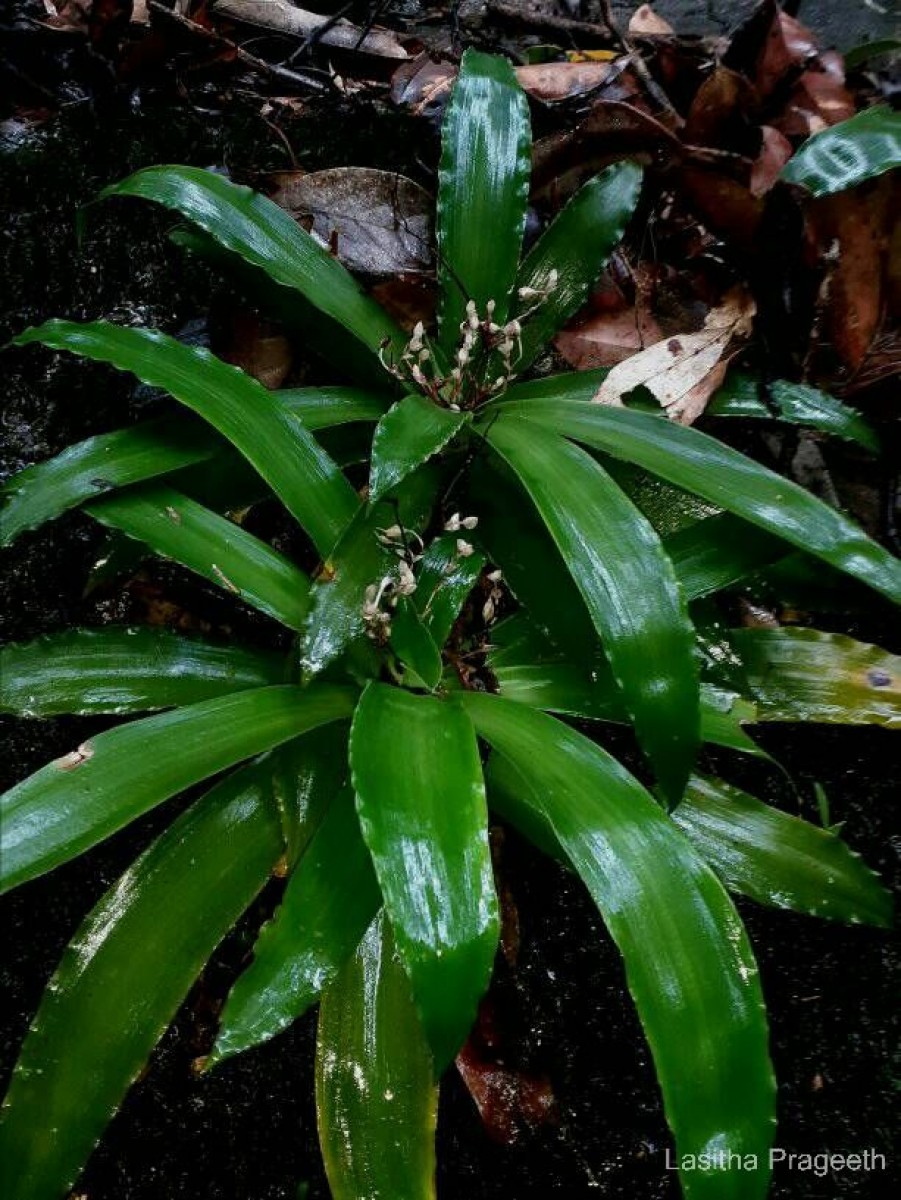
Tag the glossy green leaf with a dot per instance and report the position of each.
(808, 675)
(179, 528)
(416, 770)
(483, 188)
(576, 245)
(360, 559)
(331, 898)
(123, 976)
(719, 551)
(87, 469)
(516, 539)
(867, 50)
(414, 645)
(849, 153)
(411, 432)
(320, 334)
(376, 1103)
(778, 859)
(94, 466)
(629, 587)
(83, 797)
(325, 407)
(795, 402)
(125, 670)
(264, 236)
(276, 443)
(445, 579)
(306, 775)
(700, 464)
(576, 385)
(567, 689)
(688, 962)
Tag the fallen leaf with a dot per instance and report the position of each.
(775, 151)
(423, 85)
(374, 222)
(255, 347)
(408, 299)
(852, 231)
(644, 22)
(607, 339)
(552, 82)
(683, 371)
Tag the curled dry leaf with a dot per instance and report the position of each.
(423, 85)
(684, 371)
(644, 22)
(284, 17)
(556, 81)
(775, 151)
(374, 222)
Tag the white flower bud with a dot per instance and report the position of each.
(452, 524)
(464, 549)
(488, 610)
(419, 330)
(495, 576)
(469, 522)
(489, 308)
(463, 356)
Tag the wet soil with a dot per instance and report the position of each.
(248, 1132)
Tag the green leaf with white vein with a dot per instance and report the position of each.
(688, 962)
(421, 800)
(629, 587)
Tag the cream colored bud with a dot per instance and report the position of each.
(488, 610)
(452, 524)
(464, 549)
(495, 576)
(469, 522)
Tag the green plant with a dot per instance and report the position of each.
(370, 747)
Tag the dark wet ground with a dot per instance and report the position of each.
(248, 1132)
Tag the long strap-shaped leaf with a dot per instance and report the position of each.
(288, 457)
(265, 236)
(483, 187)
(849, 153)
(181, 529)
(576, 245)
(409, 433)
(94, 466)
(809, 675)
(779, 859)
(619, 565)
(125, 670)
(123, 976)
(376, 1103)
(416, 770)
(688, 963)
(80, 799)
(700, 464)
(331, 898)
(796, 402)
(152, 448)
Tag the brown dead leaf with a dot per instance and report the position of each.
(775, 151)
(509, 1102)
(644, 22)
(408, 299)
(256, 347)
(852, 231)
(606, 338)
(557, 81)
(819, 99)
(423, 85)
(682, 372)
(374, 222)
(788, 47)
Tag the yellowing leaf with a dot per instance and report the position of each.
(684, 371)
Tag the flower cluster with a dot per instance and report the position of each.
(381, 599)
(484, 346)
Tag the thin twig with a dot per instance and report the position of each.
(250, 60)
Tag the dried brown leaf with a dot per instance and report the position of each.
(682, 372)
